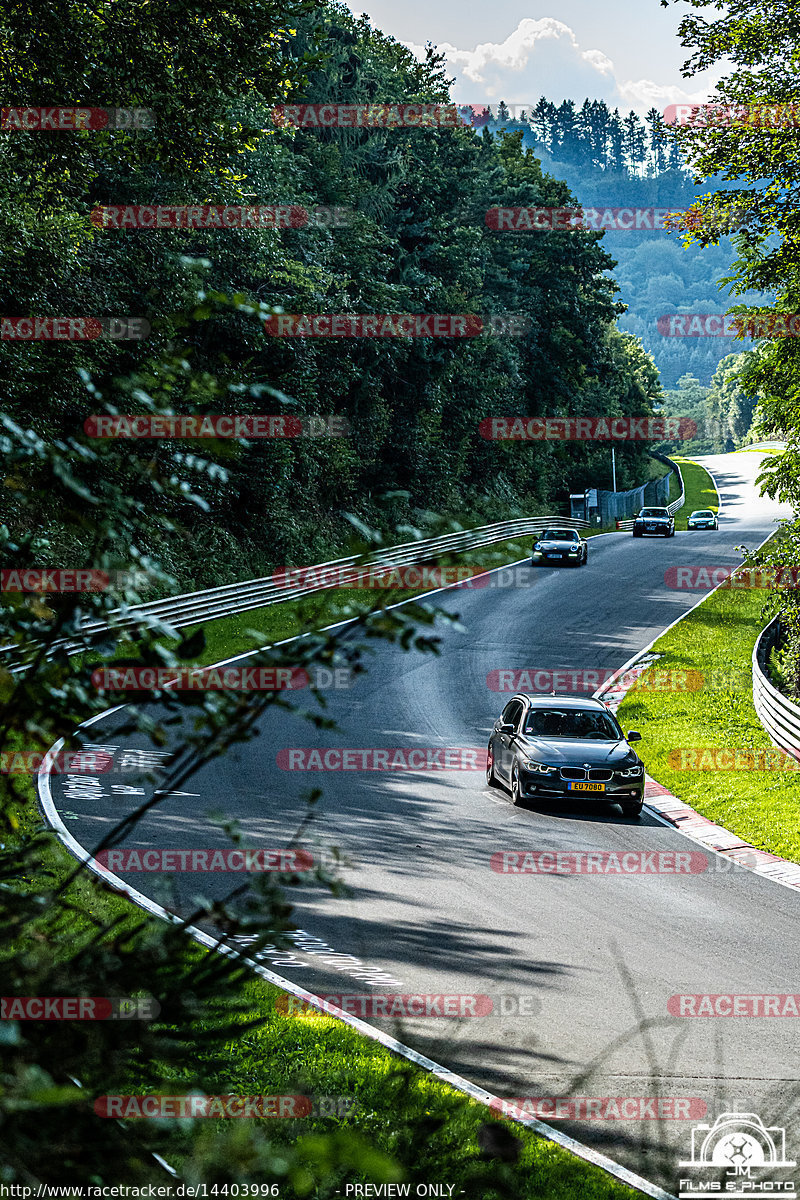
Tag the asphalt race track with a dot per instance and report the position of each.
(599, 956)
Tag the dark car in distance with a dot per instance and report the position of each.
(654, 520)
(560, 545)
(551, 747)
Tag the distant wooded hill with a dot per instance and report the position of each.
(609, 160)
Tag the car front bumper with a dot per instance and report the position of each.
(701, 525)
(652, 532)
(533, 784)
(543, 556)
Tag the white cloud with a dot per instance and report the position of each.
(543, 58)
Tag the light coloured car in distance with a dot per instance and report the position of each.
(560, 545)
(702, 518)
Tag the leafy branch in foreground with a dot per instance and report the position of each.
(64, 931)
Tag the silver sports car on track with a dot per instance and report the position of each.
(559, 546)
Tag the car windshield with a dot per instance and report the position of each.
(702, 512)
(559, 535)
(654, 512)
(573, 723)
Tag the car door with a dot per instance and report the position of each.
(504, 742)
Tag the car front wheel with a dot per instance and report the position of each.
(516, 786)
(491, 778)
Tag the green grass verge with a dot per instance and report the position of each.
(698, 487)
(717, 639)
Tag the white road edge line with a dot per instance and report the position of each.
(448, 1077)
(456, 1081)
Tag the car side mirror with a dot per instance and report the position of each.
(633, 736)
(506, 728)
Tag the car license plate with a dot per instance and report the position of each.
(554, 556)
(587, 787)
(650, 528)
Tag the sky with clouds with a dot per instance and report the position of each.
(625, 52)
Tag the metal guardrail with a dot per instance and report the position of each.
(627, 524)
(193, 607)
(779, 715)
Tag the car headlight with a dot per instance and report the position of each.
(538, 768)
(575, 551)
(632, 772)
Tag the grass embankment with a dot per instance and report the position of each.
(716, 639)
(698, 487)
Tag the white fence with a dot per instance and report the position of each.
(779, 715)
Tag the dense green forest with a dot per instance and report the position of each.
(610, 160)
(415, 241)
